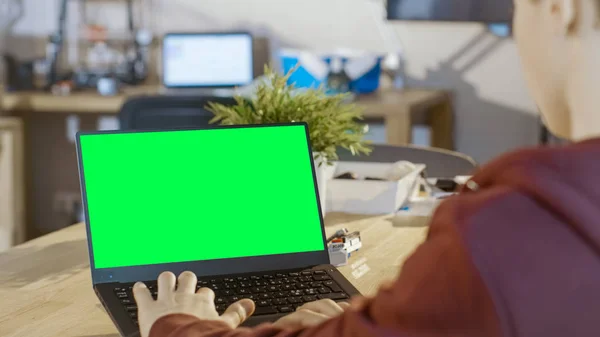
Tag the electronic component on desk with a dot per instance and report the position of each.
(342, 247)
(338, 257)
(349, 240)
(343, 236)
(337, 234)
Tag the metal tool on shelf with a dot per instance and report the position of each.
(135, 64)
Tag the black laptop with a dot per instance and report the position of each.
(236, 205)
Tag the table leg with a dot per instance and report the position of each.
(19, 168)
(12, 189)
(398, 128)
(441, 119)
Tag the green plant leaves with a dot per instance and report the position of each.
(332, 122)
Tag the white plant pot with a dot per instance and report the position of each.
(324, 173)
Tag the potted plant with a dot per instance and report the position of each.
(332, 121)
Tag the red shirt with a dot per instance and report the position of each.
(518, 256)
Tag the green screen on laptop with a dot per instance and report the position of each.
(179, 196)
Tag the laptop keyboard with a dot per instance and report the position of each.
(273, 293)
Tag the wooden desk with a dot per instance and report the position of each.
(399, 109)
(45, 285)
(76, 103)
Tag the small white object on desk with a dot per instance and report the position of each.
(462, 180)
(338, 257)
(341, 248)
(339, 254)
(384, 196)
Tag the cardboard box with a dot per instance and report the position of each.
(369, 196)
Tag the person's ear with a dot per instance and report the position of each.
(563, 15)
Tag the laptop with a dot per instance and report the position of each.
(237, 205)
(207, 63)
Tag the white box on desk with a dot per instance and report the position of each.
(369, 196)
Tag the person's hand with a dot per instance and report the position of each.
(311, 314)
(359, 303)
(184, 300)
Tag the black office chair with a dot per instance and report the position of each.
(440, 163)
(168, 112)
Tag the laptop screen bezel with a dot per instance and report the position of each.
(204, 86)
(206, 267)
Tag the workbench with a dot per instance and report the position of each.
(398, 109)
(50, 158)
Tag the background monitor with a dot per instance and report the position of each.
(488, 11)
(199, 60)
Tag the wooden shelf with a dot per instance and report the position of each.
(400, 109)
(103, 0)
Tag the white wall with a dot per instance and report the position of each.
(494, 112)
